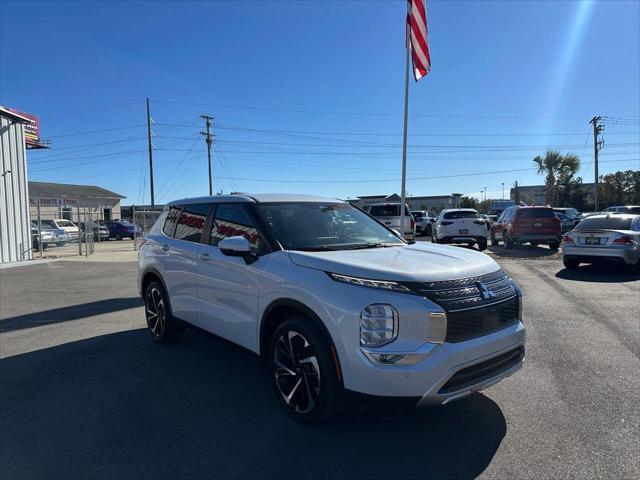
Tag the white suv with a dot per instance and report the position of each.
(460, 225)
(334, 301)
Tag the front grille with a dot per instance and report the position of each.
(483, 370)
(475, 306)
(467, 324)
(465, 292)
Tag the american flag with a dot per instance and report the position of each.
(419, 41)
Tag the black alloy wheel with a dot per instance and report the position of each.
(303, 372)
(162, 327)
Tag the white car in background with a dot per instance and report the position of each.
(389, 215)
(424, 220)
(460, 225)
(63, 224)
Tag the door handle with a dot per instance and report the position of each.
(166, 248)
(204, 256)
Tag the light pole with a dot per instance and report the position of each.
(502, 190)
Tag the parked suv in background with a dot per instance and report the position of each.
(460, 225)
(424, 221)
(334, 301)
(534, 225)
(603, 238)
(389, 214)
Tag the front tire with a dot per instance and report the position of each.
(303, 373)
(508, 243)
(494, 241)
(161, 324)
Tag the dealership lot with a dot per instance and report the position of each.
(85, 393)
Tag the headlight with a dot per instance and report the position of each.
(378, 325)
(365, 282)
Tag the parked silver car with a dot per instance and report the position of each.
(334, 301)
(604, 237)
(48, 236)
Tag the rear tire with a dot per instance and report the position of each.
(161, 324)
(554, 245)
(571, 264)
(482, 244)
(303, 373)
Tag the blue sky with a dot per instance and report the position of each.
(308, 96)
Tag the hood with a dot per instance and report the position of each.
(420, 262)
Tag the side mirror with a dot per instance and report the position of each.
(235, 246)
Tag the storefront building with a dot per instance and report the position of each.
(73, 202)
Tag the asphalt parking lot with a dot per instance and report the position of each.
(86, 394)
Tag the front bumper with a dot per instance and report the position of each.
(627, 254)
(426, 379)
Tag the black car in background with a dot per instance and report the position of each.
(120, 229)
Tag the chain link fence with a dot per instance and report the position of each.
(88, 233)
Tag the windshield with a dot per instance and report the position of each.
(65, 223)
(48, 224)
(461, 214)
(605, 223)
(536, 213)
(324, 226)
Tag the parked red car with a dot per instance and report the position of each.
(534, 225)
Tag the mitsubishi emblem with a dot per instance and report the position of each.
(485, 292)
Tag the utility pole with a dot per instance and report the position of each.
(208, 138)
(485, 194)
(517, 195)
(598, 128)
(153, 200)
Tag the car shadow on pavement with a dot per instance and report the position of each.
(65, 314)
(120, 406)
(600, 273)
(523, 251)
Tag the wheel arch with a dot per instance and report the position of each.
(149, 275)
(281, 309)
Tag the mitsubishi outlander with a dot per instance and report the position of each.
(332, 299)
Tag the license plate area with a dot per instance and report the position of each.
(592, 241)
(537, 225)
(463, 231)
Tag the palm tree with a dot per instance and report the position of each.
(554, 165)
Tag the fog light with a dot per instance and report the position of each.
(394, 358)
(378, 325)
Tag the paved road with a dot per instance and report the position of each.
(86, 394)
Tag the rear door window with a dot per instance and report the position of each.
(190, 226)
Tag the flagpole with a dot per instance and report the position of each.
(403, 192)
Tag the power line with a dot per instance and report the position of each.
(366, 114)
(394, 179)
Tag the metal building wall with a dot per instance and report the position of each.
(15, 225)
